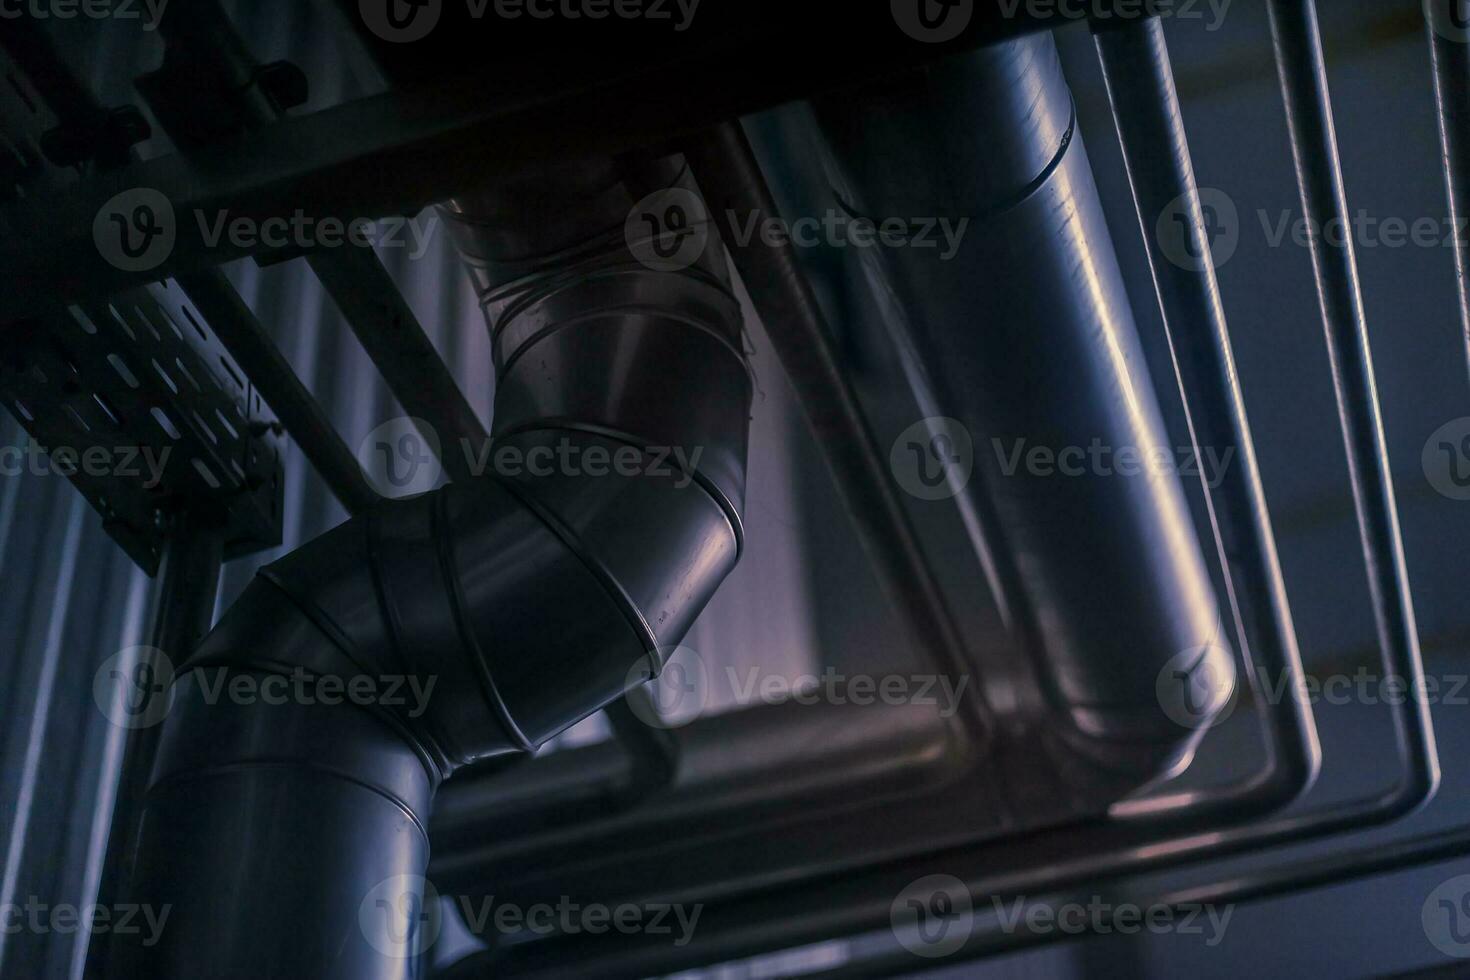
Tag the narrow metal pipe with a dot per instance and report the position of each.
(653, 753)
(1449, 51)
(1140, 86)
(185, 608)
(1298, 44)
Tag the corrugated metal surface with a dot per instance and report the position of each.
(69, 600)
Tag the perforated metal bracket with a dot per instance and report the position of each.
(139, 405)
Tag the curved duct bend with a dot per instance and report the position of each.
(287, 838)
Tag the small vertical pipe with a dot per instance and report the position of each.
(1297, 40)
(183, 613)
(1449, 52)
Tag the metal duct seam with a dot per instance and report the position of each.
(518, 603)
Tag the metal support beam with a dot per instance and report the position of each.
(207, 89)
(276, 380)
(399, 152)
(389, 331)
(232, 321)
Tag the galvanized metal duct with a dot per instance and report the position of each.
(527, 598)
(1027, 331)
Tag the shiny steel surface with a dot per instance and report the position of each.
(189, 586)
(1303, 73)
(1029, 332)
(439, 585)
(1450, 56)
(1048, 864)
(469, 587)
(1140, 80)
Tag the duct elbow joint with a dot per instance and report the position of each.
(480, 619)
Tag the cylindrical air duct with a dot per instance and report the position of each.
(1019, 308)
(285, 828)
